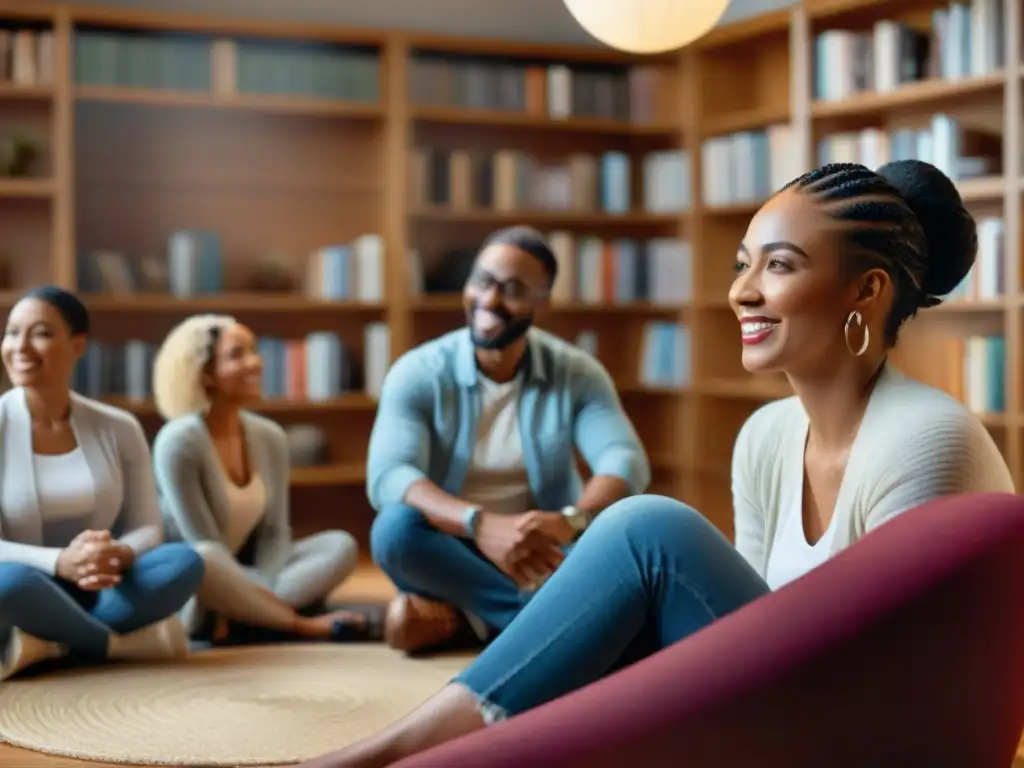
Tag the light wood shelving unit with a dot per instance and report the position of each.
(290, 175)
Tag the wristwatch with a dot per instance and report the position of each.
(577, 519)
(471, 520)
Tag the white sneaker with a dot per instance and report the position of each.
(24, 650)
(165, 639)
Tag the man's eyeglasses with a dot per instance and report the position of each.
(512, 289)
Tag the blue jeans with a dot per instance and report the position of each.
(648, 572)
(422, 560)
(157, 586)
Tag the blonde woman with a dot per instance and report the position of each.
(223, 475)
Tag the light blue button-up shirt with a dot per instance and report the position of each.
(426, 423)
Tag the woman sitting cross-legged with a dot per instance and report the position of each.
(829, 270)
(223, 475)
(82, 568)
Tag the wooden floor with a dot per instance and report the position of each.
(366, 585)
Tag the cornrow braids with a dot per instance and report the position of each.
(885, 233)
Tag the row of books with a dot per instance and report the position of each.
(978, 372)
(748, 166)
(555, 91)
(965, 40)
(320, 367)
(664, 354)
(353, 271)
(508, 180)
(316, 368)
(987, 278)
(26, 57)
(194, 266)
(222, 65)
(958, 153)
(621, 271)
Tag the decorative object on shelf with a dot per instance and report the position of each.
(447, 272)
(20, 153)
(272, 274)
(647, 26)
(307, 445)
(154, 274)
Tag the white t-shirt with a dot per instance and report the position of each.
(66, 494)
(496, 478)
(792, 555)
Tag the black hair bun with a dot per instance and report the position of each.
(950, 230)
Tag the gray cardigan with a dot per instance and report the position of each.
(191, 486)
(114, 447)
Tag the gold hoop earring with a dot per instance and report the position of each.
(856, 317)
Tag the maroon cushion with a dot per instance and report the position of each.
(906, 649)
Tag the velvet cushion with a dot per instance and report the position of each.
(906, 649)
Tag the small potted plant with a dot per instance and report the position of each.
(20, 153)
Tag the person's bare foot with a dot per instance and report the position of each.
(413, 623)
(452, 712)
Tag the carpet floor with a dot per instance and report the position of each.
(366, 585)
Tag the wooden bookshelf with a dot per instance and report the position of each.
(284, 174)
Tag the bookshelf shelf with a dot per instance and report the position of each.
(976, 306)
(282, 178)
(352, 402)
(283, 303)
(453, 303)
(510, 119)
(744, 120)
(982, 189)
(925, 94)
(740, 209)
(745, 389)
(319, 477)
(15, 92)
(27, 188)
(251, 102)
(542, 218)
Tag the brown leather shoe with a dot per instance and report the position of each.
(413, 623)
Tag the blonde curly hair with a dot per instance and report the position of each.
(178, 368)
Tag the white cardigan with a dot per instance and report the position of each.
(915, 444)
(114, 447)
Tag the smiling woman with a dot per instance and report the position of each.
(223, 474)
(843, 254)
(827, 273)
(72, 473)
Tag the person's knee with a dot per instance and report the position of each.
(656, 519)
(395, 532)
(18, 580)
(183, 564)
(343, 550)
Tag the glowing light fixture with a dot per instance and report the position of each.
(647, 26)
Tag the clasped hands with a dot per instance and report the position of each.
(527, 547)
(94, 560)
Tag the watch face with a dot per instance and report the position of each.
(575, 518)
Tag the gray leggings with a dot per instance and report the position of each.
(318, 564)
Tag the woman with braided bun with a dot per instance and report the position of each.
(829, 270)
(223, 476)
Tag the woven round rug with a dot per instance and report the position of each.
(267, 705)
